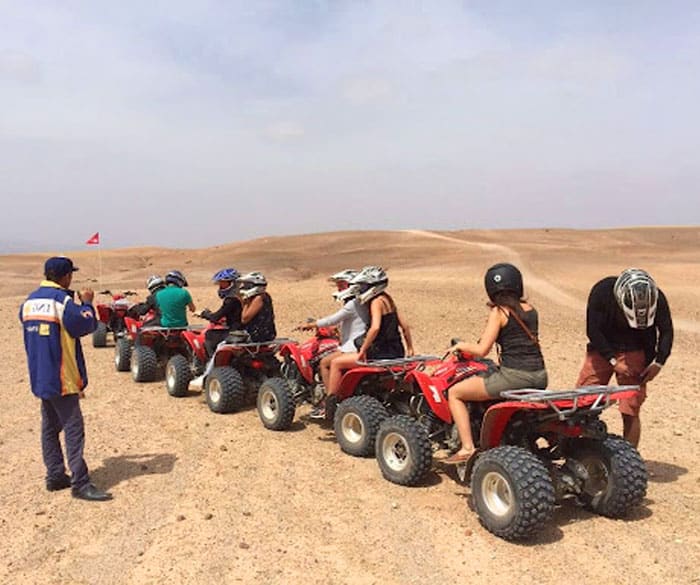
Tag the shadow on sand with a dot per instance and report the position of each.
(660, 472)
(115, 470)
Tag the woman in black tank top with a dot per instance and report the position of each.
(513, 325)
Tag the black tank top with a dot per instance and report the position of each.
(262, 326)
(518, 351)
(387, 344)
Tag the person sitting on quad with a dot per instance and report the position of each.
(258, 315)
(513, 325)
(383, 339)
(230, 311)
(353, 318)
(154, 283)
(173, 300)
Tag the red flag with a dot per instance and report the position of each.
(94, 239)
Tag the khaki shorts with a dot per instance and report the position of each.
(510, 379)
(597, 370)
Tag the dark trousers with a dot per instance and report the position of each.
(62, 413)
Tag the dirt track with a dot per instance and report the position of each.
(201, 498)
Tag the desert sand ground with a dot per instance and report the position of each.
(205, 498)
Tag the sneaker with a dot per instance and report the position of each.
(197, 383)
(318, 413)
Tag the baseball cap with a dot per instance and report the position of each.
(59, 266)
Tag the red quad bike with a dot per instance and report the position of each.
(182, 368)
(110, 317)
(365, 399)
(535, 448)
(300, 381)
(154, 347)
(125, 343)
(237, 370)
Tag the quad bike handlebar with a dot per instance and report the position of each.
(126, 293)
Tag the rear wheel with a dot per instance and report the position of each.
(122, 355)
(276, 404)
(616, 475)
(512, 492)
(99, 335)
(177, 376)
(224, 390)
(356, 424)
(403, 449)
(144, 364)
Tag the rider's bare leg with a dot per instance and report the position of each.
(325, 367)
(632, 428)
(471, 389)
(338, 366)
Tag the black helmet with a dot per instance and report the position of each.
(503, 277)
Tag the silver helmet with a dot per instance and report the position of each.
(251, 284)
(154, 282)
(369, 282)
(637, 295)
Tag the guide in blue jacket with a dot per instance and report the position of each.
(53, 324)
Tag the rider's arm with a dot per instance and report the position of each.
(482, 347)
(406, 330)
(339, 316)
(375, 311)
(251, 308)
(664, 326)
(596, 319)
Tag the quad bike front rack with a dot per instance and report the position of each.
(398, 367)
(603, 398)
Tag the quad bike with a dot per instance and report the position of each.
(153, 348)
(182, 368)
(535, 448)
(365, 399)
(110, 317)
(237, 370)
(124, 343)
(300, 381)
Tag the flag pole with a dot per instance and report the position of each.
(99, 260)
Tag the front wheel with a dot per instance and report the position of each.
(616, 478)
(356, 424)
(177, 376)
(512, 492)
(403, 450)
(122, 355)
(99, 335)
(276, 404)
(224, 390)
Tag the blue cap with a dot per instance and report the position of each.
(58, 267)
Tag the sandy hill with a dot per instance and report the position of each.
(202, 498)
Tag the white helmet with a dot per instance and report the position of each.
(251, 284)
(637, 295)
(347, 294)
(369, 282)
(154, 282)
(343, 276)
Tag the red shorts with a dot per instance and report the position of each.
(597, 370)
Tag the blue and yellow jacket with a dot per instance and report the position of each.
(53, 324)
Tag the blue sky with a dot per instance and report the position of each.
(198, 123)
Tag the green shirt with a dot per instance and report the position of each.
(172, 302)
